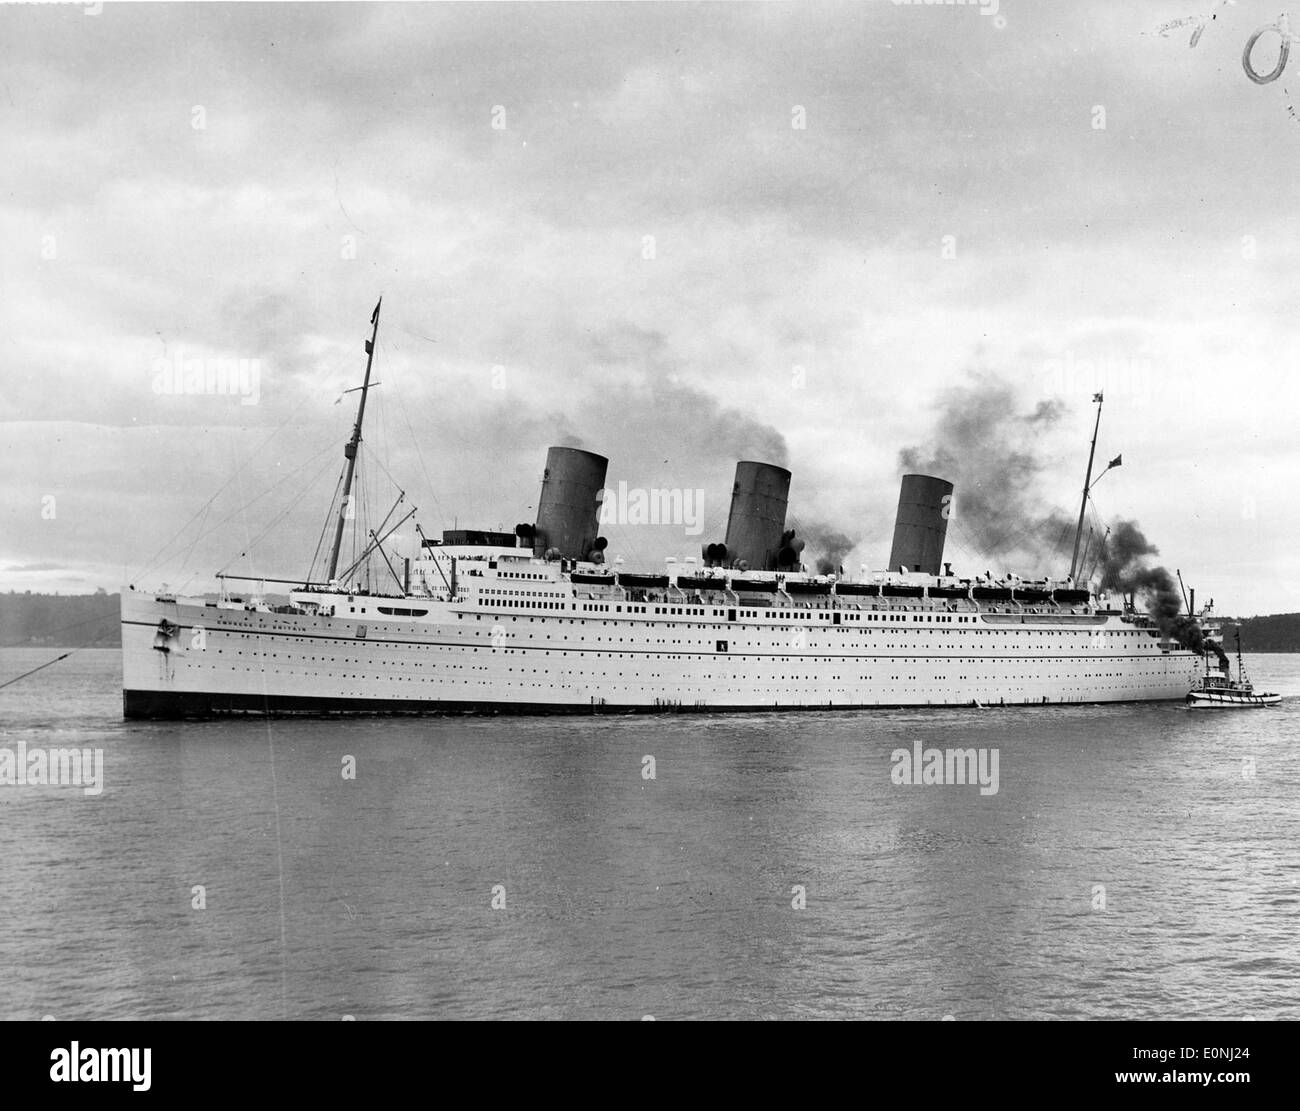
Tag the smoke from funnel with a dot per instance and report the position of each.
(1124, 569)
(994, 449)
(1122, 553)
(983, 439)
(645, 375)
(832, 547)
(1218, 651)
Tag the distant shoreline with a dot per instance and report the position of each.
(30, 620)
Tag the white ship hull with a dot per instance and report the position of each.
(464, 656)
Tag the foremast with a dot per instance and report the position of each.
(1087, 485)
(350, 448)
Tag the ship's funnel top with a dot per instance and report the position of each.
(757, 519)
(924, 505)
(569, 507)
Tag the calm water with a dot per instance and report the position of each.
(671, 897)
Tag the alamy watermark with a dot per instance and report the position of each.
(937, 767)
(1125, 377)
(638, 506)
(53, 767)
(209, 376)
(113, 1066)
(986, 7)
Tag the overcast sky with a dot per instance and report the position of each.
(646, 256)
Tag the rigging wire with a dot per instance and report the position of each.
(10, 682)
(244, 516)
(242, 509)
(203, 509)
(275, 521)
(403, 409)
(358, 510)
(189, 554)
(383, 438)
(329, 520)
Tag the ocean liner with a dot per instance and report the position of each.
(539, 621)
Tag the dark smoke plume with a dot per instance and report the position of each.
(671, 412)
(1124, 569)
(1122, 554)
(992, 452)
(832, 547)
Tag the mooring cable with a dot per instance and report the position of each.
(35, 669)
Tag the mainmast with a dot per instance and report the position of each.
(1087, 485)
(350, 448)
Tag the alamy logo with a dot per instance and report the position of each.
(945, 767)
(209, 376)
(111, 1065)
(653, 507)
(54, 767)
(986, 7)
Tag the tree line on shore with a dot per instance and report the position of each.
(60, 620)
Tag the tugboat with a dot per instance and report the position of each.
(1220, 690)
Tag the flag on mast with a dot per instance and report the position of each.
(374, 319)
